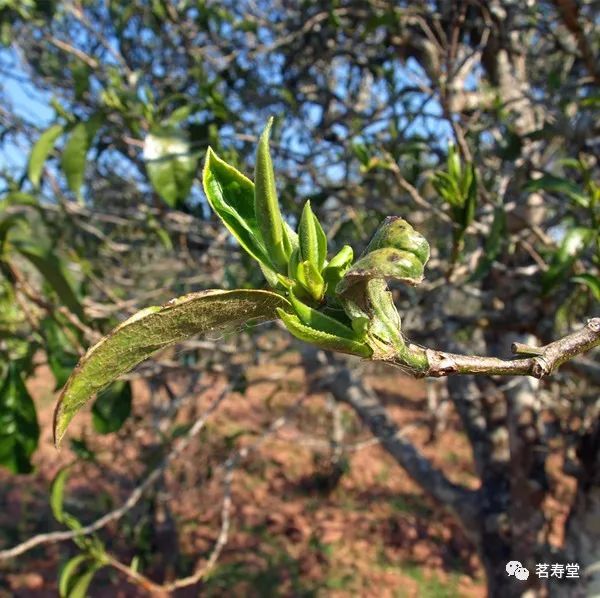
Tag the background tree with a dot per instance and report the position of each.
(475, 121)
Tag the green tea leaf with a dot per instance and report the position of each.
(310, 279)
(155, 328)
(320, 321)
(591, 282)
(74, 156)
(573, 243)
(68, 574)
(321, 339)
(40, 152)
(170, 164)
(112, 407)
(556, 184)
(60, 359)
(6, 225)
(266, 205)
(57, 493)
(19, 430)
(231, 195)
(453, 163)
(337, 267)
(313, 242)
(80, 589)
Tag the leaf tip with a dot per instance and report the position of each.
(266, 132)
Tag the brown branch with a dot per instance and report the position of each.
(133, 498)
(543, 362)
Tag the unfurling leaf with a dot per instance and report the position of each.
(396, 251)
(337, 267)
(231, 196)
(170, 163)
(274, 233)
(458, 188)
(155, 328)
(310, 280)
(57, 493)
(313, 242)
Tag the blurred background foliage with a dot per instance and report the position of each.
(476, 121)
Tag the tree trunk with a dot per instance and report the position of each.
(582, 542)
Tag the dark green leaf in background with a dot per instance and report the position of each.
(112, 407)
(19, 430)
(50, 267)
(60, 359)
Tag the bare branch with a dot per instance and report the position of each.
(131, 501)
(546, 359)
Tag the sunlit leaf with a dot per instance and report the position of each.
(591, 282)
(231, 195)
(74, 156)
(80, 587)
(69, 573)
(40, 152)
(573, 243)
(170, 163)
(313, 242)
(266, 206)
(324, 340)
(556, 184)
(76, 576)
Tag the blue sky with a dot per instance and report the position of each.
(26, 101)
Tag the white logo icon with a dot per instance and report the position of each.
(515, 568)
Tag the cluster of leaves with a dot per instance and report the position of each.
(457, 186)
(11, 10)
(335, 305)
(171, 163)
(578, 238)
(77, 573)
(26, 254)
(293, 263)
